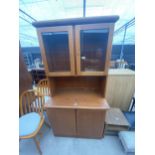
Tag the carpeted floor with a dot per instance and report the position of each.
(51, 145)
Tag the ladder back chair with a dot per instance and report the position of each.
(44, 90)
(31, 115)
(43, 87)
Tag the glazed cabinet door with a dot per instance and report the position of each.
(93, 48)
(56, 45)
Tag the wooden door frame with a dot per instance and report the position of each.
(69, 29)
(110, 26)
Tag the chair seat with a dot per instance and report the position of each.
(128, 140)
(28, 123)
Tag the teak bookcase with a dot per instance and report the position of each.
(76, 54)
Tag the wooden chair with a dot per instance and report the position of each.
(43, 87)
(31, 116)
(44, 90)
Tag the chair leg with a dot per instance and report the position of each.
(40, 134)
(47, 124)
(38, 145)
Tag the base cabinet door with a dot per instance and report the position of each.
(90, 123)
(62, 121)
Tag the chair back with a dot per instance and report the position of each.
(31, 101)
(43, 87)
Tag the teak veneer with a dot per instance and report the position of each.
(77, 114)
(77, 99)
(76, 54)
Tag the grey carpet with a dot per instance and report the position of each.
(51, 145)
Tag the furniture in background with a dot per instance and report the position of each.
(25, 79)
(76, 55)
(120, 88)
(130, 115)
(115, 121)
(44, 90)
(127, 139)
(118, 64)
(113, 64)
(37, 74)
(31, 116)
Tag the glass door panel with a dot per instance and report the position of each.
(57, 49)
(93, 47)
(56, 46)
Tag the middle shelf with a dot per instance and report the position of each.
(77, 99)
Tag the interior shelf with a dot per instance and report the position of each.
(77, 99)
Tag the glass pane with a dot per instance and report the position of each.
(57, 50)
(93, 49)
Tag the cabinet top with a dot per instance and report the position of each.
(74, 99)
(76, 21)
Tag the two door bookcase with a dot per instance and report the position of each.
(76, 54)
